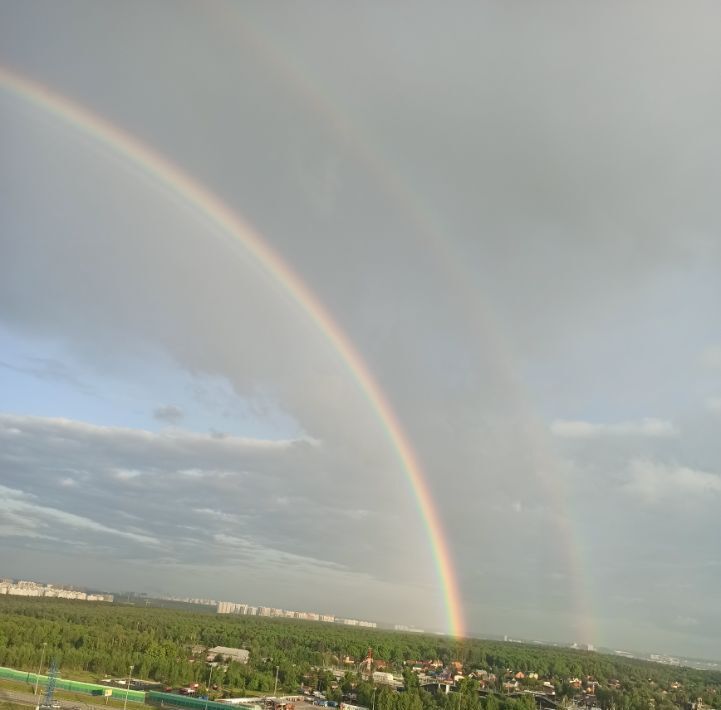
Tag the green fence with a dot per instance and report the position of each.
(76, 686)
(186, 701)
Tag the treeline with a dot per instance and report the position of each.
(107, 639)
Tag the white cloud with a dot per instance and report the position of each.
(123, 474)
(713, 404)
(655, 483)
(251, 495)
(711, 357)
(578, 429)
(69, 429)
(221, 515)
(685, 621)
(15, 502)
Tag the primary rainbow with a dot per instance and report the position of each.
(217, 212)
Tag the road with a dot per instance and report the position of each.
(15, 696)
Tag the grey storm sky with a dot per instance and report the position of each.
(511, 210)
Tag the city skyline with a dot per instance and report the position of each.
(35, 589)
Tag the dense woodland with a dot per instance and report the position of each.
(104, 639)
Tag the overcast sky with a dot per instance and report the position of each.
(512, 211)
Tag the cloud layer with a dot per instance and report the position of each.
(585, 430)
(522, 247)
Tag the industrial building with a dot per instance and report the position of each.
(239, 655)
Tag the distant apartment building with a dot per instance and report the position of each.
(192, 600)
(230, 608)
(24, 588)
(245, 609)
(240, 608)
(357, 622)
(409, 629)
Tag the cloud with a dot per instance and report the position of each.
(66, 430)
(15, 502)
(261, 506)
(48, 369)
(434, 207)
(270, 494)
(655, 483)
(711, 357)
(713, 404)
(578, 429)
(168, 413)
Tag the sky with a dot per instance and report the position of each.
(509, 209)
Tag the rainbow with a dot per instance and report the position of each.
(463, 287)
(218, 213)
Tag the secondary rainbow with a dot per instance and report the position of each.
(463, 288)
(216, 211)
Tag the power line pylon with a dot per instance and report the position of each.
(50, 689)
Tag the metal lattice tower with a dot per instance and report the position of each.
(52, 679)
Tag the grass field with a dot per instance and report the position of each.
(83, 698)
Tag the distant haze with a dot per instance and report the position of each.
(511, 210)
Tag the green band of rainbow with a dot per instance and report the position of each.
(200, 198)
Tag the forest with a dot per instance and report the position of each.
(167, 645)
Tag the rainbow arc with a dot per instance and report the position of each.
(198, 196)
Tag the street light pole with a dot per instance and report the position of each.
(275, 690)
(207, 690)
(37, 677)
(373, 704)
(127, 690)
